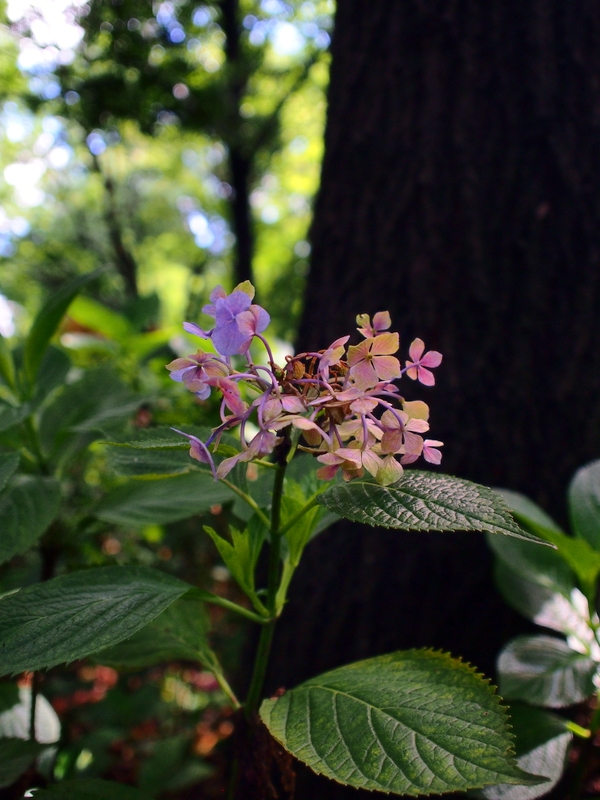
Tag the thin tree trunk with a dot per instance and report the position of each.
(459, 191)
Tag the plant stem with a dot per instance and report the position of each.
(227, 690)
(32, 706)
(209, 597)
(311, 504)
(266, 634)
(249, 500)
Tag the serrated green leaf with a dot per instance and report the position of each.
(180, 632)
(89, 789)
(581, 556)
(584, 503)
(12, 415)
(424, 501)
(413, 722)
(27, 508)
(16, 756)
(158, 451)
(8, 465)
(241, 554)
(541, 744)
(545, 671)
(75, 615)
(47, 321)
(165, 461)
(154, 502)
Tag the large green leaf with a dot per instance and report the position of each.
(414, 722)
(9, 695)
(52, 373)
(97, 401)
(584, 503)
(180, 632)
(541, 743)
(545, 671)
(75, 615)
(8, 465)
(577, 552)
(148, 502)
(27, 508)
(90, 789)
(12, 415)
(47, 321)
(16, 755)
(424, 501)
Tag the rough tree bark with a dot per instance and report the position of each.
(459, 191)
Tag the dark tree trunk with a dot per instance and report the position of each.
(459, 191)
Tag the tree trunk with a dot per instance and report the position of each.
(459, 191)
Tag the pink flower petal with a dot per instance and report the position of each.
(426, 377)
(385, 344)
(358, 352)
(364, 375)
(363, 405)
(292, 404)
(416, 349)
(411, 371)
(371, 462)
(432, 359)
(387, 368)
(382, 321)
(327, 473)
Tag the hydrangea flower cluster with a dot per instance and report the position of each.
(342, 400)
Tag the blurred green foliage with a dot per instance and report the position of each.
(122, 151)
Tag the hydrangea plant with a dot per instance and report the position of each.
(326, 434)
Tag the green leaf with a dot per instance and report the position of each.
(47, 321)
(538, 565)
(16, 756)
(413, 722)
(8, 464)
(169, 768)
(97, 401)
(75, 615)
(240, 556)
(89, 789)
(584, 503)
(180, 632)
(7, 365)
(158, 451)
(581, 556)
(100, 318)
(545, 671)
(27, 508)
(541, 744)
(424, 501)
(154, 502)
(12, 415)
(52, 374)
(9, 696)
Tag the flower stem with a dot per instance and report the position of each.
(266, 634)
